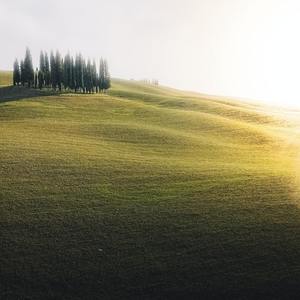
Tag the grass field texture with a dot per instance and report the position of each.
(146, 193)
(5, 78)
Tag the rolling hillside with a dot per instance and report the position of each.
(5, 78)
(146, 193)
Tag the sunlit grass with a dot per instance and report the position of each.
(146, 193)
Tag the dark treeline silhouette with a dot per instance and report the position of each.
(78, 75)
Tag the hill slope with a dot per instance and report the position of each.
(147, 192)
(5, 78)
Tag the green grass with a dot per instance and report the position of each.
(146, 193)
(5, 78)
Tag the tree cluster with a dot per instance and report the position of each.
(149, 81)
(58, 73)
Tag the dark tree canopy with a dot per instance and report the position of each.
(53, 71)
(107, 83)
(60, 73)
(22, 72)
(47, 74)
(28, 75)
(16, 73)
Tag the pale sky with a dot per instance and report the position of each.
(241, 48)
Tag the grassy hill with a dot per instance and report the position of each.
(146, 193)
(5, 78)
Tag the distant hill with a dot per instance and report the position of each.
(5, 78)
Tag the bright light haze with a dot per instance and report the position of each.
(238, 48)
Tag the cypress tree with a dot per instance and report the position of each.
(89, 77)
(53, 71)
(36, 78)
(58, 70)
(82, 72)
(76, 73)
(47, 75)
(17, 73)
(42, 61)
(101, 75)
(79, 65)
(22, 72)
(41, 79)
(72, 74)
(67, 71)
(85, 76)
(107, 83)
(42, 68)
(94, 76)
(28, 68)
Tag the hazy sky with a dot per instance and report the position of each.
(244, 48)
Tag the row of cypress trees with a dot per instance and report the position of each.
(59, 73)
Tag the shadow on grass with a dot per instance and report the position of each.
(12, 93)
